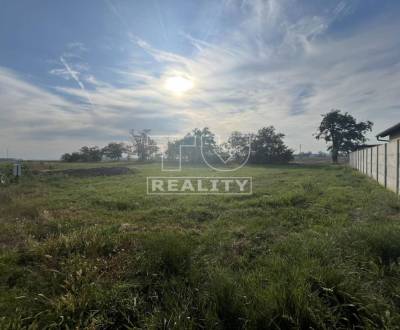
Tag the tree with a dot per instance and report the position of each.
(342, 132)
(172, 152)
(86, 154)
(268, 147)
(66, 157)
(238, 146)
(75, 157)
(114, 150)
(200, 138)
(190, 146)
(142, 145)
(91, 154)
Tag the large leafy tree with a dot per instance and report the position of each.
(190, 146)
(91, 154)
(342, 132)
(114, 150)
(238, 145)
(73, 157)
(143, 145)
(268, 147)
(85, 154)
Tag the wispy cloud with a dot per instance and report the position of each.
(75, 75)
(63, 125)
(273, 63)
(291, 78)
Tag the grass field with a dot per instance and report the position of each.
(313, 247)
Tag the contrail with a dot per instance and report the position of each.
(160, 20)
(116, 13)
(76, 78)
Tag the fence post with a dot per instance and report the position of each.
(386, 165)
(366, 162)
(377, 163)
(363, 161)
(397, 167)
(356, 158)
(372, 149)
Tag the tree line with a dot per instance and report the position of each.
(113, 151)
(340, 130)
(266, 146)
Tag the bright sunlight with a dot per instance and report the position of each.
(178, 84)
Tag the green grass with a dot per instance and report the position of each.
(313, 247)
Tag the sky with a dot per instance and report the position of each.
(75, 73)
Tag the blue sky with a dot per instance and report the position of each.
(76, 73)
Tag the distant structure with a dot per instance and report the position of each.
(381, 162)
(393, 133)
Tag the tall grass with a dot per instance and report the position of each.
(312, 248)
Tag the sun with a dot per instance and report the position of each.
(178, 84)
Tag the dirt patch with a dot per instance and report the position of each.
(97, 171)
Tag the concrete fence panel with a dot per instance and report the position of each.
(364, 161)
(381, 163)
(374, 167)
(391, 180)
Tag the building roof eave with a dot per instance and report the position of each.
(389, 131)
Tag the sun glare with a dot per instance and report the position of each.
(178, 84)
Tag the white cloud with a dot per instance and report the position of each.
(269, 67)
(28, 110)
(243, 84)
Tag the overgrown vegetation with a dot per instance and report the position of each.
(314, 247)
